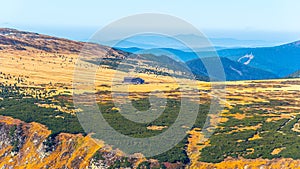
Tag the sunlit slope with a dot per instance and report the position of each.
(48, 64)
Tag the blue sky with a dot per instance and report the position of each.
(255, 19)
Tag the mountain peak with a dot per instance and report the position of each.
(293, 44)
(11, 31)
(297, 43)
(295, 74)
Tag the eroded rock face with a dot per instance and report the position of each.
(29, 145)
(11, 135)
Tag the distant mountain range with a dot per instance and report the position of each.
(280, 60)
(294, 75)
(233, 70)
(238, 63)
(149, 41)
(173, 53)
(225, 42)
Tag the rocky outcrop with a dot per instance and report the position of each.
(29, 145)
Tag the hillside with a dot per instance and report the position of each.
(43, 84)
(233, 70)
(37, 56)
(294, 75)
(21, 40)
(258, 127)
(29, 145)
(280, 60)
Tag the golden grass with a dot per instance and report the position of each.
(238, 129)
(156, 127)
(255, 137)
(277, 150)
(239, 116)
(32, 157)
(43, 68)
(196, 142)
(296, 127)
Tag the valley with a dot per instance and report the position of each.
(258, 126)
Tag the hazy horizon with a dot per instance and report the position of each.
(84, 33)
(273, 21)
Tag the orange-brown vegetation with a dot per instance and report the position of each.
(74, 151)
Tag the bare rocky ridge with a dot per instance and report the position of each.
(23, 145)
(28, 145)
(21, 40)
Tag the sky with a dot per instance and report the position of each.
(271, 20)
